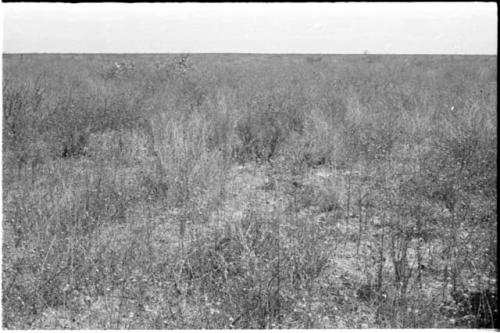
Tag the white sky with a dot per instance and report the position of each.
(407, 28)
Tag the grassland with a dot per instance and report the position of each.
(249, 191)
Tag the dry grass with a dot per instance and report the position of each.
(223, 191)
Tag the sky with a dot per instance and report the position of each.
(338, 28)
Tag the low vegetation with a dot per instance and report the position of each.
(245, 191)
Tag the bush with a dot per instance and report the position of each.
(476, 309)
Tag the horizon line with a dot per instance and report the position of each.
(247, 53)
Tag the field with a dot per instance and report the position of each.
(249, 191)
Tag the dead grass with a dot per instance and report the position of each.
(248, 192)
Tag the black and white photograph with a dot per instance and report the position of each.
(261, 166)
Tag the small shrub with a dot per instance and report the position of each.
(75, 144)
(476, 309)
